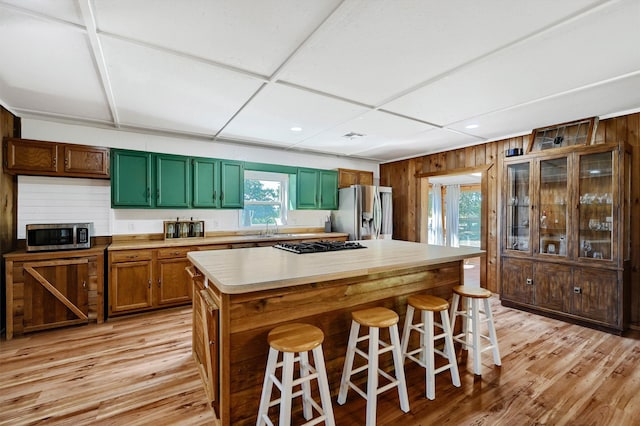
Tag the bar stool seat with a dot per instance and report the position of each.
(375, 319)
(471, 336)
(290, 339)
(428, 305)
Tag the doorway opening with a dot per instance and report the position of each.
(453, 216)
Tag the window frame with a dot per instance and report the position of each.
(283, 180)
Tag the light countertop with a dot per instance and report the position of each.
(261, 268)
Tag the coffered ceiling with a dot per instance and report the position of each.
(375, 79)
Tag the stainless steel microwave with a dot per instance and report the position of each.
(58, 236)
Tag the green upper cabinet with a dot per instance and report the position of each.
(218, 183)
(206, 182)
(173, 181)
(328, 190)
(231, 184)
(131, 182)
(307, 189)
(316, 189)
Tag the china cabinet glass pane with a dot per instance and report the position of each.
(562, 135)
(553, 223)
(596, 205)
(518, 207)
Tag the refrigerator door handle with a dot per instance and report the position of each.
(377, 215)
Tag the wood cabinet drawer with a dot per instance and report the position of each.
(169, 252)
(130, 255)
(214, 247)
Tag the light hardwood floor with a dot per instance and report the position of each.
(139, 370)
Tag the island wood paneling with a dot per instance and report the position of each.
(247, 318)
(401, 176)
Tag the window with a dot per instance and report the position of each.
(265, 199)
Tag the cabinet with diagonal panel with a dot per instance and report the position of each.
(53, 289)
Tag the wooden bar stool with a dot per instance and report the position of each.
(291, 339)
(374, 318)
(428, 305)
(471, 336)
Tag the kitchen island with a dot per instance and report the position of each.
(250, 291)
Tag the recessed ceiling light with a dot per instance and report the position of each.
(594, 172)
(471, 126)
(296, 129)
(476, 174)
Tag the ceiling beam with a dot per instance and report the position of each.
(98, 57)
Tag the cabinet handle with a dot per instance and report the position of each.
(221, 195)
(577, 290)
(66, 162)
(148, 192)
(158, 194)
(132, 256)
(214, 195)
(159, 281)
(149, 282)
(84, 284)
(529, 281)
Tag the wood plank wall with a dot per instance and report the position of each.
(9, 127)
(401, 176)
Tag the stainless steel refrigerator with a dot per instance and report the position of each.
(365, 212)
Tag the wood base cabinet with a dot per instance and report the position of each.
(589, 296)
(53, 289)
(145, 279)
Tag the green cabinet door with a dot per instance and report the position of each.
(206, 182)
(173, 181)
(328, 190)
(307, 189)
(231, 184)
(131, 179)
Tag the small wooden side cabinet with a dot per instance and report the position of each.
(53, 289)
(205, 335)
(348, 177)
(33, 157)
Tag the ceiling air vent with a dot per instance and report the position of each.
(353, 135)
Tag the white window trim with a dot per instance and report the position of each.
(283, 178)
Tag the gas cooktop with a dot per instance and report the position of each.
(319, 246)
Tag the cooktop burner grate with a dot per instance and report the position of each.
(319, 246)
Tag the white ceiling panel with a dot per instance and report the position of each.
(377, 129)
(410, 75)
(162, 91)
(278, 108)
(599, 46)
(51, 70)
(252, 35)
(432, 140)
(66, 10)
(600, 100)
(372, 50)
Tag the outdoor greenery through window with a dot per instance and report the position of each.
(469, 222)
(265, 199)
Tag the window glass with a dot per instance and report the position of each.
(265, 199)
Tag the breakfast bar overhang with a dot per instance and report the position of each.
(257, 289)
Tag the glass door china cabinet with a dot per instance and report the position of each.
(566, 245)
